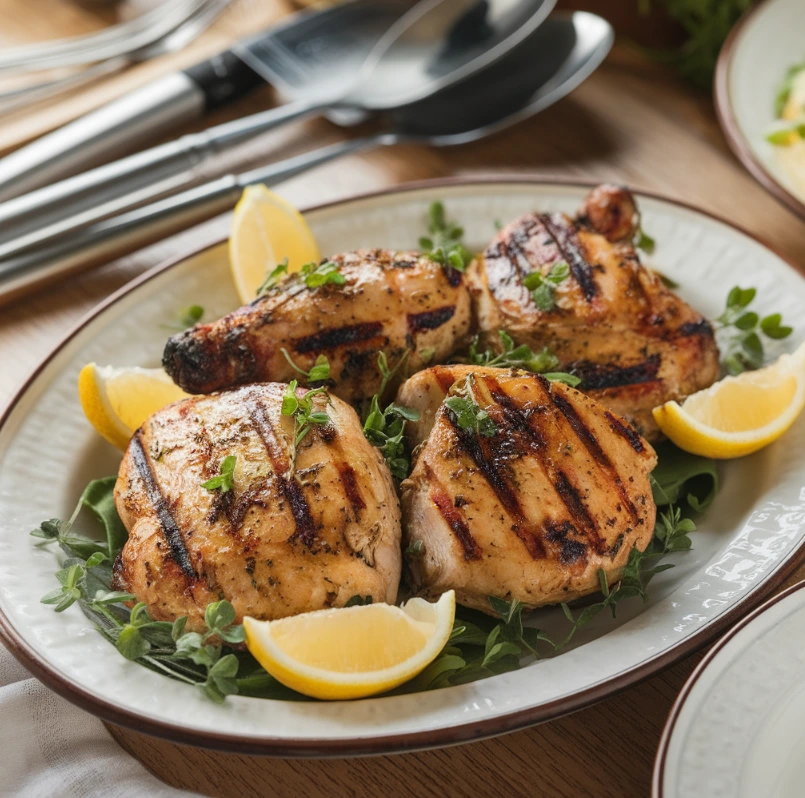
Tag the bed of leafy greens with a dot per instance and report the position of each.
(480, 645)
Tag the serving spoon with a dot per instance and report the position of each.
(560, 55)
(435, 45)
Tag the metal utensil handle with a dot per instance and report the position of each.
(105, 132)
(135, 229)
(80, 140)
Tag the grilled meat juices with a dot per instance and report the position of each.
(388, 301)
(559, 489)
(611, 322)
(298, 530)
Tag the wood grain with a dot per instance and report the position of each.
(633, 123)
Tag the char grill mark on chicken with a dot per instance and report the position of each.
(293, 535)
(633, 343)
(532, 512)
(390, 301)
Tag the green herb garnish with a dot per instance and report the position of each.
(225, 480)
(520, 357)
(468, 414)
(644, 241)
(740, 332)
(188, 317)
(543, 287)
(318, 374)
(443, 243)
(304, 415)
(385, 429)
(273, 277)
(315, 275)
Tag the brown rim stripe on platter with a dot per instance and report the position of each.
(687, 688)
(396, 742)
(729, 125)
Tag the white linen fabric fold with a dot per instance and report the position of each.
(48, 747)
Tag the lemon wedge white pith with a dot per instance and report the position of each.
(738, 415)
(118, 400)
(352, 652)
(265, 230)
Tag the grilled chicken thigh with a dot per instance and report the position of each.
(390, 301)
(286, 539)
(633, 343)
(531, 512)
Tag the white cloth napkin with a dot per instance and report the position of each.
(48, 747)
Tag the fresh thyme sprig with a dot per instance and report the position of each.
(444, 243)
(543, 287)
(385, 429)
(481, 646)
(320, 373)
(468, 414)
(521, 357)
(740, 332)
(225, 480)
(313, 275)
(273, 278)
(671, 534)
(302, 410)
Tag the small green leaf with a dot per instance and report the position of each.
(219, 614)
(225, 481)
(131, 644)
(560, 376)
(747, 321)
(191, 316)
(644, 241)
(177, 630)
(273, 278)
(358, 601)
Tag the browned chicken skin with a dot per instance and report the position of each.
(391, 302)
(560, 490)
(633, 342)
(286, 539)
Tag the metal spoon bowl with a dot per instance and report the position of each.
(561, 55)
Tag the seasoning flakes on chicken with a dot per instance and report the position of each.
(531, 501)
(387, 301)
(610, 321)
(288, 535)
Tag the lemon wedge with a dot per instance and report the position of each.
(738, 415)
(265, 230)
(116, 401)
(352, 652)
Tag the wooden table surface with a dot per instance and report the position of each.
(633, 123)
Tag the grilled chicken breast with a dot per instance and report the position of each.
(286, 539)
(532, 512)
(390, 301)
(633, 343)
